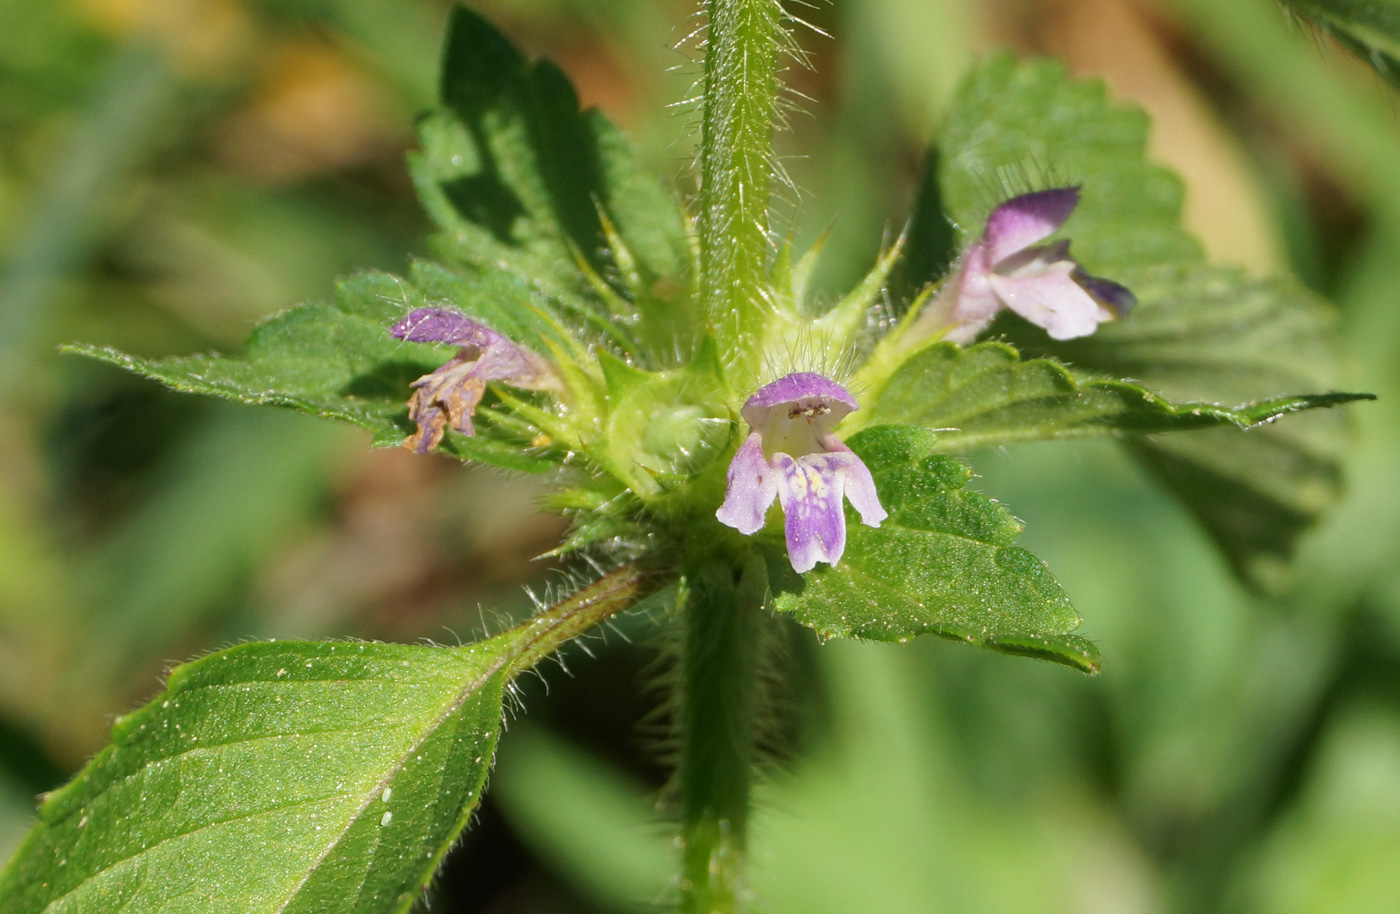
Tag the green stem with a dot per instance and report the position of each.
(718, 706)
(736, 166)
(553, 627)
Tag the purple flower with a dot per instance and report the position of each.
(449, 396)
(1005, 268)
(791, 454)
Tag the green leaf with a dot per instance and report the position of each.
(930, 245)
(943, 563)
(1213, 334)
(987, 396)
(1370, 29)
(294, 776)
(1205, 337)
(516, 177)
(339, 362)
(665, 426)
(1015, 126)
(279, 777)
(538, 202)
(315, 359)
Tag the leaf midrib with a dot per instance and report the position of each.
(455, 705)
(458, 700)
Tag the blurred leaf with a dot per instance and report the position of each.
(1370, 29)
(1335, 847)
(116, 131)
(293, 776)
(586, 817)
(1211, 333)
(227, 499)
(930, 245)
(942, 563)
(986, 396)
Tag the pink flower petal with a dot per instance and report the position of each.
(752, 487)
(1053, 300)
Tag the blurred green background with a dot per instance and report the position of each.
(171, 170)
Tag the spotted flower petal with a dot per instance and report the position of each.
(448, 397)
(791, 455)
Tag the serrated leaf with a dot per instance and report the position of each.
(286, 777)
(944, 562)
(273, 777)
(315, 359)
(516, 177)
(1370, 29)
(1015, 126)
(987, 396)
(521, 182)
(1214, 334)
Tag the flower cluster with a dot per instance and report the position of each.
(791, 454)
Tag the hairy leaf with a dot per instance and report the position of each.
(289, 777)
(943, 563)
(339, 362)
(517, 177)
(548, 224)
(273, 777)
(987, 395)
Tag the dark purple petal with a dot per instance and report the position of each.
(810, 491)
(1022, 221)
(751, 490)
(444, 325)
(1117, 298)
(799, 386)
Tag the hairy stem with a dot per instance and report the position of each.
(736, 166)
(718, 705)
(553, 627)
